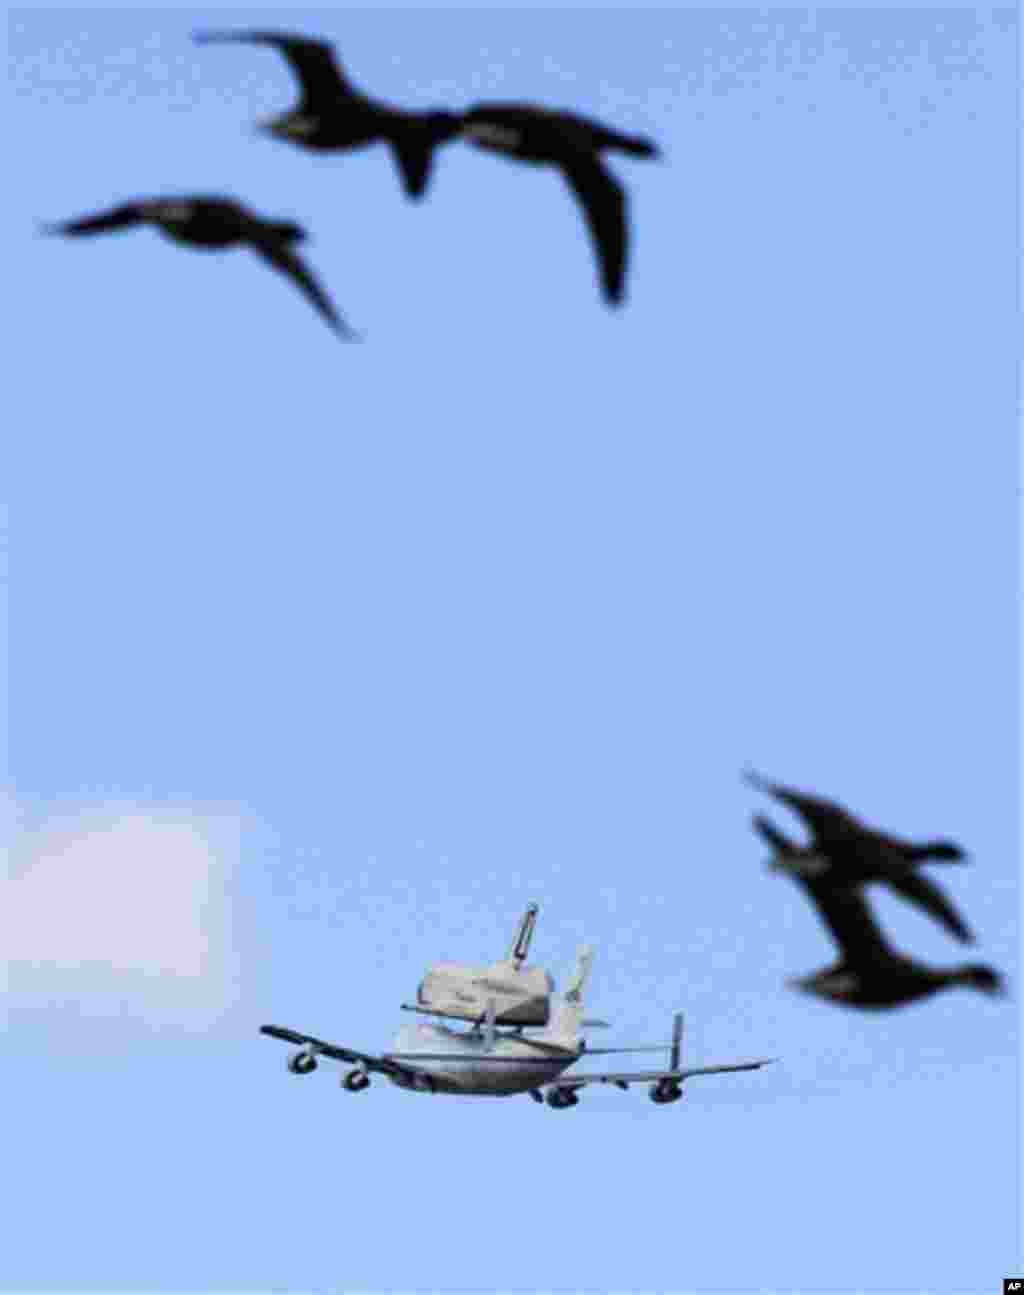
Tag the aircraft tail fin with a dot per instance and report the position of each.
(524, 933)
(567, 1011)
(584, 961)
(677, 1042)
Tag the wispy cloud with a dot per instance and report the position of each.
(122, 913)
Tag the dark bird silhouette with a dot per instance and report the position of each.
(215, 223)
(332, 114)
(845, 850)
(574, 144)
(870, 972)
(810, 862)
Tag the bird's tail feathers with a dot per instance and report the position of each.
(978, 976)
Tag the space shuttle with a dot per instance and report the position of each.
(521, 995)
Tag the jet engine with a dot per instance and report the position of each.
(560, 1098)
(666, 1090)
(521, 994)
(355, 1081)
(302, 1063)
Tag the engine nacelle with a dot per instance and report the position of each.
(302, 1063)
(666, 1090)
(559, 1098)
(355, 1081)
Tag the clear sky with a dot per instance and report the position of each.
(327, 659)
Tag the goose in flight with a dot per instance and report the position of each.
(870, 973)
(216, 223)
(527, 133)
(844, 850)
(807, 862)
(333, 114)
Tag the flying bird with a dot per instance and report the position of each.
(855, 852)
(214, 223)
(333, 114)
(573, 143)
(811, 863)
(870, 972)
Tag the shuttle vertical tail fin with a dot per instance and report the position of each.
(567, 1011)
(524, 934)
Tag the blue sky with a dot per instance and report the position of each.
(327, 659)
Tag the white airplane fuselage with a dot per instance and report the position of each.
(511, 1064)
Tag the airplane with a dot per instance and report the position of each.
(485, 1062)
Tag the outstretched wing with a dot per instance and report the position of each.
(777, 839)
(313, 61)
(624, 1078)
(604, 205)
(129, 213)
(284, 259)
(923, 892)
(383, 1065)
(825, 818)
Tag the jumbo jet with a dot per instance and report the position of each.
(486, 1062)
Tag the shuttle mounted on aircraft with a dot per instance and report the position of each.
(485, 1061)
(522, 994)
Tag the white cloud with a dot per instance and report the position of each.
(124, 912)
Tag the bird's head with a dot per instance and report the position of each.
(804, 864)
(978, 976)
(293, 127)
(289, 232)
(837, 984)
(946, 850)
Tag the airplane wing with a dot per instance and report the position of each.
(318, 1046)
(643, 1047)
(391, 1063)
(625, 1078)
